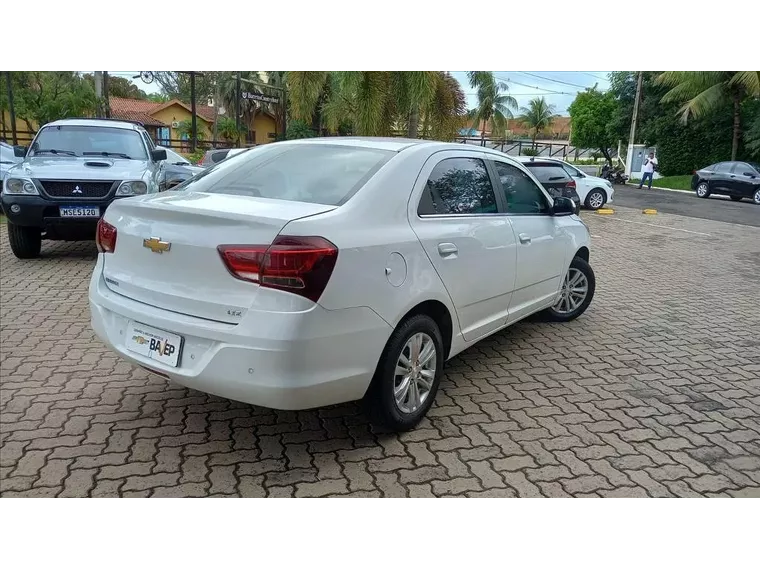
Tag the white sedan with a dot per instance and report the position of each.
(307, 273)
(593, 192)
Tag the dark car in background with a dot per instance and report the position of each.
(555, 179)
(214, 156)
(738, 180)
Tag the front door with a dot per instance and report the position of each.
(720, 180)
(541, 244)
(743, 180)
(467, 238)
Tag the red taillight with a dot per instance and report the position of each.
(571, 184)
(301, 265)
(105, 237)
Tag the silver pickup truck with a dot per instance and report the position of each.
(72, 171)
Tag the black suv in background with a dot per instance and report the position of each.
(555, 180)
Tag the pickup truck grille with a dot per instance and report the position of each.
(74, 189)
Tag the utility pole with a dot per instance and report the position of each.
(238, 95)
(99, 92)
(194, 143)
(106, 100)
(12, 110)
(632, 137)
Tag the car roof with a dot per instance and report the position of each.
(104, 123)
(529, 159)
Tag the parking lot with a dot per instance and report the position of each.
(655, 391)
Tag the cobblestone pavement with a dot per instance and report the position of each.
(655, 391)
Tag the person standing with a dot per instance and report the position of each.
(650, 164)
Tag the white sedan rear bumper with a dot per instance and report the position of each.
(280, 360)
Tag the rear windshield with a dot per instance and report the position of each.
(548, 172)
(314, 173)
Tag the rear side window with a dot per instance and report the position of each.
(722, 167)
(458, 186)
(314, 173)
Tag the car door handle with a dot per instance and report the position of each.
(447, 250)
(524, 238)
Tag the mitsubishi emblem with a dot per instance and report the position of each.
(76, 190)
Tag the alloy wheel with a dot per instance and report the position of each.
(757, 196)
(574, 291)
(596, 200)
(415, 373)
(702, 190)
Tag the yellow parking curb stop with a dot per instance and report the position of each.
(649, 211)
(605, 211)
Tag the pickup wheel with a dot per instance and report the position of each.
(577, 292)
(26, 242)
(407, 375)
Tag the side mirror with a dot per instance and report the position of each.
(158, 154)
(563, 206)
(19, 151)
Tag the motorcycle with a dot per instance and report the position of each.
(614, 175)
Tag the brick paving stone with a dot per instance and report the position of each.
(667, 406)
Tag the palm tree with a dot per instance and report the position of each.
(537, 116)
(376, 102)
(705, 91)
(494, 104)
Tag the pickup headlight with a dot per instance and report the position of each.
(131, 189)
(20, 186)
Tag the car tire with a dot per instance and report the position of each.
(596, 199)
(736, 198)
(703, 190)
(756, 197)
(381, 401)
(26, 242)
(565, 310)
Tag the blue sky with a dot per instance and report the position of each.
(559, 87)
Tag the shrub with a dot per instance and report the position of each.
(298, 129)
(529, 152)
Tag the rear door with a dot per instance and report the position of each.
(467, 238)
(720, 180)
(541, 244)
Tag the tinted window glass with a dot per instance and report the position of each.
(548, 173)
(742, 167)
(89, 141)
(314, 173)
(522, 193)
(148, 141)
(458, 186)
(219, 156)
(722, 167)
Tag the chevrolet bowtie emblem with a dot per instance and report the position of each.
(156, 245)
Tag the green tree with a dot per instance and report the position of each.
(298, 129)
(44, 96)
(494, 104)
(591, 116)
(701, 92)
(120, 87)
(185, 130)
(227, 128)
(176, 85)
(376, 102)
(537, 116)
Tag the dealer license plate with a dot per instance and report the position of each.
(153, 343)
(79, 211)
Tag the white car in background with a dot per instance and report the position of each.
(308, 273)
(594, 192)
